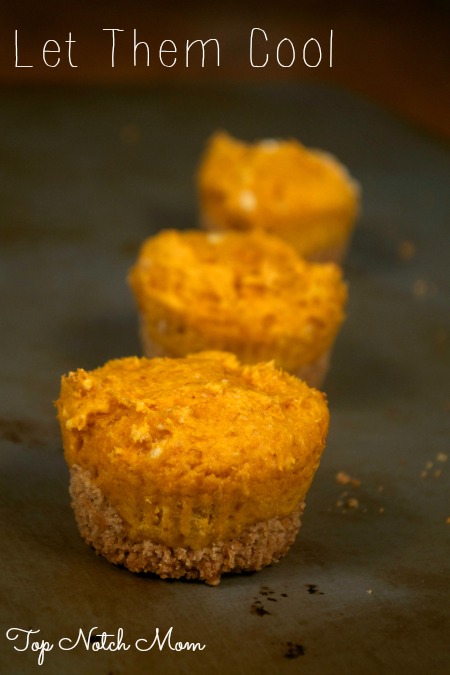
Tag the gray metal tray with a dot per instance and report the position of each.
(85, 176)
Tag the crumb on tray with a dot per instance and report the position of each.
(343, 478)
(406, 250)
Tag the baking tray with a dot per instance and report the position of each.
(85, 176)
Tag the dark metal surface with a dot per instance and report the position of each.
(85, 176)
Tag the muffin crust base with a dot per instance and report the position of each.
(102, 528)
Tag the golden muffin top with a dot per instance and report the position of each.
(201, 427)
(251, 287)
(277, 186)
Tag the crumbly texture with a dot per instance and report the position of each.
(305, 196)
(247, 293)
(102, 528)
(193, 451)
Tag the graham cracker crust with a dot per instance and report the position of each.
(102, 528)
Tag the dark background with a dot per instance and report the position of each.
(394, 53)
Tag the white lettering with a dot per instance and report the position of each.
(331, 48)
(87, 639)
(41, 647)
(203, 44)
(136, 45)
(285, 65)
(312, 65)
(113, 48)
(16, 43)
(254, 65)
(162, 51)
(142, 644)
(156, 640)
(95, 642)
(46, 50)
(69, 50)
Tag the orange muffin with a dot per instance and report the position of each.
(190, 467)
(247, 293)
(304, 196)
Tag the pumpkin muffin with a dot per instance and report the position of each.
(247, 293)
(304, 196)
(190, 467)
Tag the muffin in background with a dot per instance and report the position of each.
(246, 293)
(304, 196)
(190, 467)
